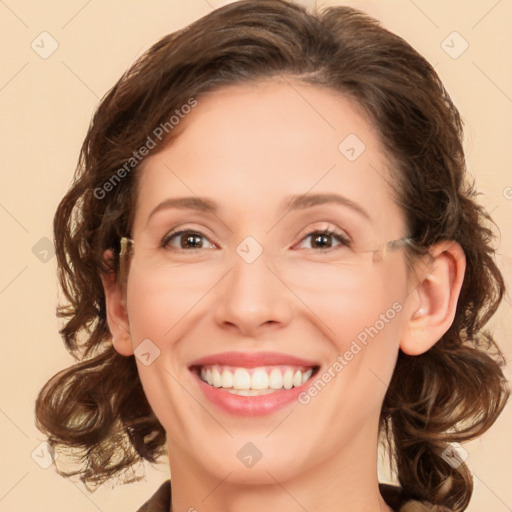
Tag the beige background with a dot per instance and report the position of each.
(46, 107)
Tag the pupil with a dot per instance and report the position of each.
(325, 240)
(189, 240)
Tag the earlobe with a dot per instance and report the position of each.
(437, 291)
(117, 317)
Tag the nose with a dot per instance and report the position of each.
(252, 298)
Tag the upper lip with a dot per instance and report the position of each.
(252, 359)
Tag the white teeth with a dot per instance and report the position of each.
(217, 381)
(227, 379)
(254, 381)
(288, 379)
(250, 392)
(241, 379)
(275, 380)
(259, 379)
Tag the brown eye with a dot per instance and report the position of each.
(324, 239)
(185, 240)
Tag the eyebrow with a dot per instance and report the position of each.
(309, 200)
(293, 202)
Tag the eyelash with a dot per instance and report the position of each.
(341, 237)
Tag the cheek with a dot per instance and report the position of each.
(161, 309)
(366, 322)
(163, 302)
(365, 317)
(355, 306)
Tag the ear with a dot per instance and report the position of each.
(117, 317)
(438, 288)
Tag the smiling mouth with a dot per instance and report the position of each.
(256, 381)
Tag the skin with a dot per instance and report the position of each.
(248, 147)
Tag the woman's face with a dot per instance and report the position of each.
(262, 291)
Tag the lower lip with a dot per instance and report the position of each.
(259, 405)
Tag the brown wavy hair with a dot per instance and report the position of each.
(452, 393)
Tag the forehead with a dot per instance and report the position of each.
(248, 147)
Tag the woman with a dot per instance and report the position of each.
(273, 260)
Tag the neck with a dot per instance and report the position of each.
(346, 482)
